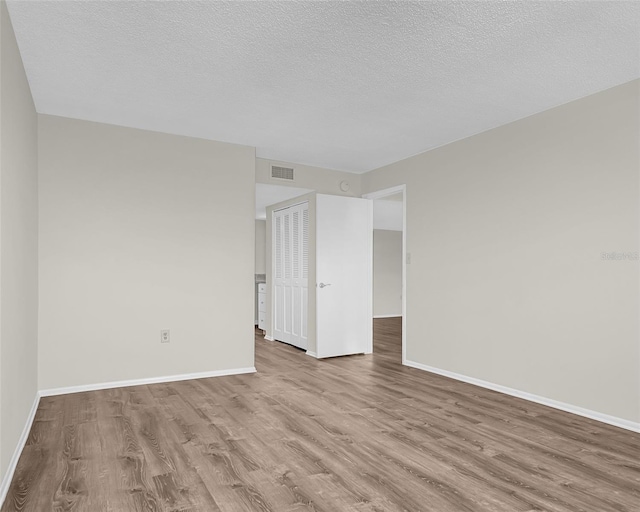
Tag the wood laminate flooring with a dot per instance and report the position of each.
(359, 433)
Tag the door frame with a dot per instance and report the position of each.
(379, 194)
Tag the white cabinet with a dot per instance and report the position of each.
(262, 306)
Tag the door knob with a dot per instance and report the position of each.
(322, 285)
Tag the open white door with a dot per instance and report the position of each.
(344, 259)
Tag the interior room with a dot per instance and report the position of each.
(331, 256)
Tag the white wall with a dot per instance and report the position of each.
(506, 231)
(261, 227)
(18, 245)
(142, 231)
(261, 230)
(387, 273)
(388, 214)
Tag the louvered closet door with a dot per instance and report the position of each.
(278, 276)
(291, 258)
(299, 274)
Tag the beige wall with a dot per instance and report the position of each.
(506, 231)
(18, 245)
(322, 181)
(261, 229)
(387, 273)
(142, 231)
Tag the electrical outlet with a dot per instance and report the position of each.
(164, 336)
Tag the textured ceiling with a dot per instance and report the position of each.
(343, 85)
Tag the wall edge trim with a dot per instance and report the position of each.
(22, 441)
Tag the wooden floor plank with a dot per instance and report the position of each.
(358, 433)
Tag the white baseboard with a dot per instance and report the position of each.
(312, 354)
(269, 338)
(399, 315)
(141, 382)
(13, 463)
(580, 411)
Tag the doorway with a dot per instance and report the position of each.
(338, 274)
(389, 276)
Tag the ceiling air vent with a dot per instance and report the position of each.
(282, 173)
